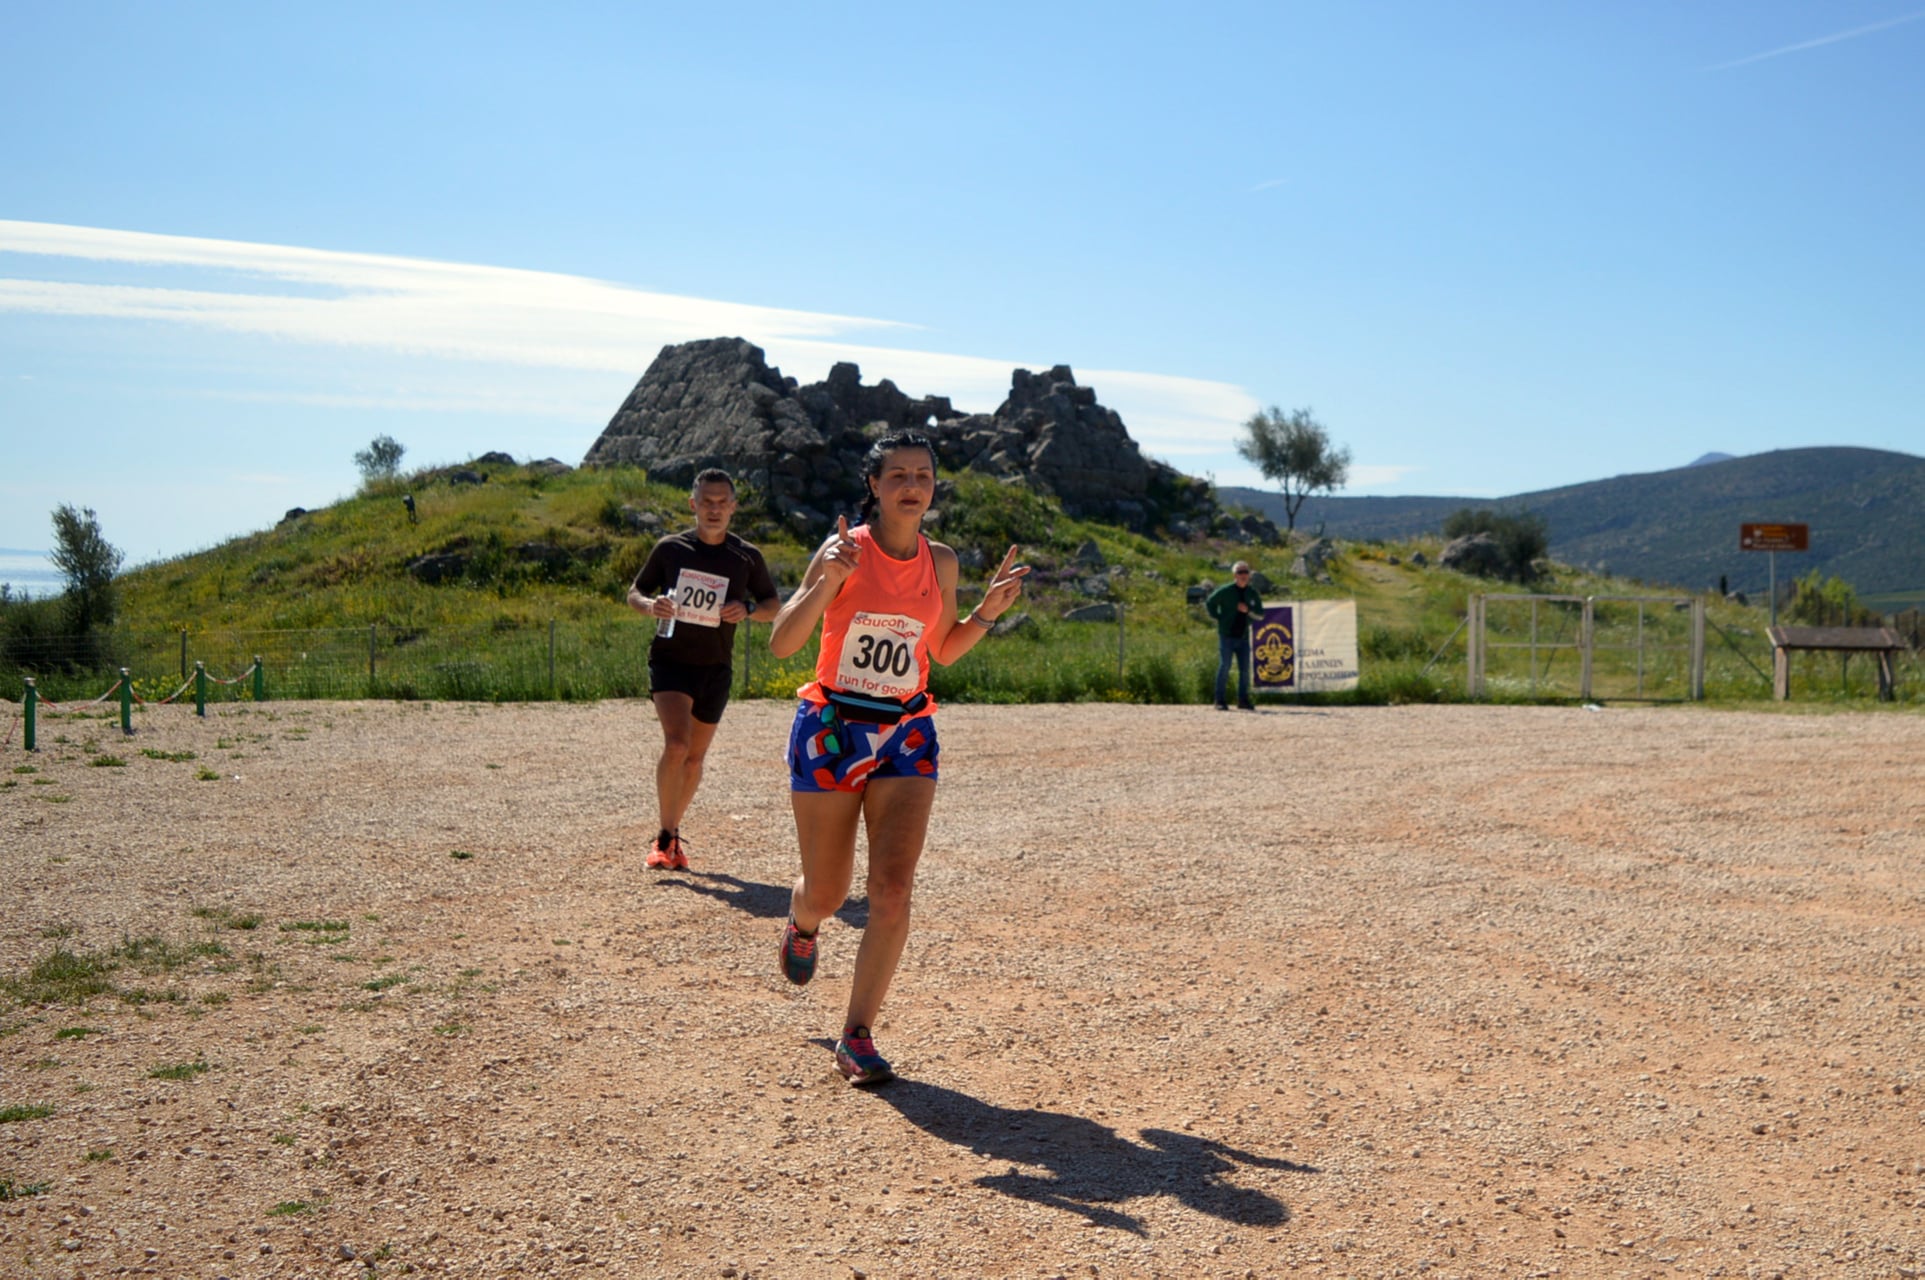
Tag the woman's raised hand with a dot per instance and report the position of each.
(1004, 586)
(839, 555)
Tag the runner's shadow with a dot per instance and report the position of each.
(1089, 1167)
(763, 901)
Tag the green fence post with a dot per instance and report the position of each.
(260, 680)
(200, 689)
(28, 702)
(126, 702)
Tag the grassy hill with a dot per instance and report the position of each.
(529, 602)
(1681, 526)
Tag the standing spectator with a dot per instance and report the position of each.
(698, 584)
(1235, 606)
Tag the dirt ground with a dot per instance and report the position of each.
(1439, 991)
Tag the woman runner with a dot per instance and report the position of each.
(863, 747)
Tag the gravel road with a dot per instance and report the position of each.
(1441, 991)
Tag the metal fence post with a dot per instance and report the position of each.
(1697, 648)
(1587, 646)
(28, 702)
(126, 702)
(1474, 664)
(200, 689)
(260, 680)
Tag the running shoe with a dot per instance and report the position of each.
(661, 855)
(797, 954)
(857, 1059)
(677, 854)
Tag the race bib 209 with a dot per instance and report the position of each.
(699, 597)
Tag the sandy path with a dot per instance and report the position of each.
(1450, 991)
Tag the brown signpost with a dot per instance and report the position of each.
(1774, 537)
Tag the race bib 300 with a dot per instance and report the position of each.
(879, 655)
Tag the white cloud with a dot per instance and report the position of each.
(533, 319)
(412, 305)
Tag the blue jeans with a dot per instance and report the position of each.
(1237, 647)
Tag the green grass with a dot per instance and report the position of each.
(11, 1190)
(15, 1114)
(328, 603)
(178, 757)
(293, 1208)
(179, 1070)
(65, 976)
(77, 1033)
(107, 762)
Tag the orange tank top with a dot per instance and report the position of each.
(876, 632)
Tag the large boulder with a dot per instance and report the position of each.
(1477, 554)
(718, 402)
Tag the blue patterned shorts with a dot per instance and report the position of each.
(828, 753)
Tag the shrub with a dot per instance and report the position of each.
(1523, 537)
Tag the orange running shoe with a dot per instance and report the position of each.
(661, 855)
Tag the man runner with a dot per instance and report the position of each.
(698, 584)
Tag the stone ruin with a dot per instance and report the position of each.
(718, 403)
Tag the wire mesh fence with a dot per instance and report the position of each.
(1640, 649)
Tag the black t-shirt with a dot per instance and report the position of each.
(749, 582)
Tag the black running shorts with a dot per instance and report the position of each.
(707, 685)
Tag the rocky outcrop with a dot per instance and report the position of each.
(718, 403)
(1477, 554)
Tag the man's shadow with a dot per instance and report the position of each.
(763, 901)
(1088, 1166)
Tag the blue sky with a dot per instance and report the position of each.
(1495, 247)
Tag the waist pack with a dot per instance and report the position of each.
(861, 708)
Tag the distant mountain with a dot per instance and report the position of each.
(1866, 509)
(1703, 459)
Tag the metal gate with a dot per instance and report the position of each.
(1625, 648)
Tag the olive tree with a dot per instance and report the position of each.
(88, 562)
(381, 459)
(1293, 451)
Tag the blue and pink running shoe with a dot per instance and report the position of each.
(797, 954)
(857, 1059)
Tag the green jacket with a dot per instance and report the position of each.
(1222, 605)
